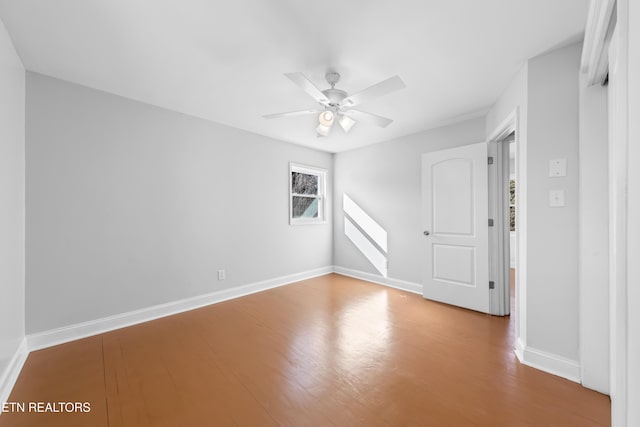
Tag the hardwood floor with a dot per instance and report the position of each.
(321, 352)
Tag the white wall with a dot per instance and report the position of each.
(12, 194)
(129, 206)
(385, 181)
(552, 233)
(593, 237)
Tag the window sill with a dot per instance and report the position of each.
(307, 222)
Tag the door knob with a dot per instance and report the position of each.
(426, 233)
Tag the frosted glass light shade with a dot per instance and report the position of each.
(326, 118)
(323, 130)
(346, 123)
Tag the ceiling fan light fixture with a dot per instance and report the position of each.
(336, 103)
(326, 118)
(323, 130)
(346, 123)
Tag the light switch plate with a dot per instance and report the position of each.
(556, 198)
(557, 167)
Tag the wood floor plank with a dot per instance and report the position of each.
(65, 373)
(329, 351)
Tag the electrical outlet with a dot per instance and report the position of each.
(221, 275)
(556, 198)
(557, 167)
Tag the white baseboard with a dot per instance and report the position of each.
(519, 350)
(538, 359)
(10, 375)
(93, 327)
(548, 362)
(403, 285)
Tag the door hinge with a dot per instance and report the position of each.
(490, 222)
(492, 284)
(490, 160)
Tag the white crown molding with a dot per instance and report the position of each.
(10, 375)
(598, 31)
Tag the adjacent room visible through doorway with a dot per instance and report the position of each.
(512, 220)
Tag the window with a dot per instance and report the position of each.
(307, 194)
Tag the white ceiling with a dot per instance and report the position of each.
(224, 61)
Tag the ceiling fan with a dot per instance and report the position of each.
(336, 104)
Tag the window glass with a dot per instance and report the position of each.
(306, 194)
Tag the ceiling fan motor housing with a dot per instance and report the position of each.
(335, 96)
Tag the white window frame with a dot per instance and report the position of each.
(321, 196)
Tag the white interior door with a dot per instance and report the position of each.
(455, 206)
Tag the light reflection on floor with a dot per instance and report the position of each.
(364, 334)
(355, 343)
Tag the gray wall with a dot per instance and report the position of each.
(129, 206)
(552, 233)
(12, 211)
(546, 95)
(385, 181)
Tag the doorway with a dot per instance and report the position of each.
(504, 193)
(511, 222)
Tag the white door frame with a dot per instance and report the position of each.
(498, 233)
(512, 124)
(624, 193)
(618, 178)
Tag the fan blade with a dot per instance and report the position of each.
(291, 113)
(308, 86)
(361, 116)
(384, 87)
